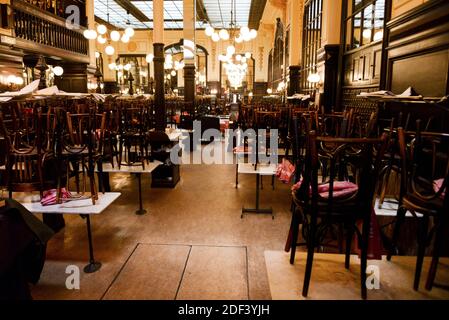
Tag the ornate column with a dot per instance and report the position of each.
(328, 53)
(189, 50)
(42, 67)
(158, 49)
(295, 46)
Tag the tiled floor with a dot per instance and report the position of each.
(202, 210)
(330, 279)
(191, 244)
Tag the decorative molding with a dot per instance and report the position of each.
(261, 50)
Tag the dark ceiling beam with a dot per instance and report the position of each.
(129, 7)
(201, 12)
(255, 13)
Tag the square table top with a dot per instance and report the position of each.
(149, 167)
(83, 206)
(262, 169)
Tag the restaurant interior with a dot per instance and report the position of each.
(224, 149)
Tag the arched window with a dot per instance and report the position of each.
(176, 78)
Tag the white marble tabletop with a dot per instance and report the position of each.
(84, 206)
(149, 167)
(262, 169)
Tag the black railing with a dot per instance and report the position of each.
(36, 26)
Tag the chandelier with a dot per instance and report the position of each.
(102, 35)
(236, 34)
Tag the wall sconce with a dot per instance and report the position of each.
(314, 78)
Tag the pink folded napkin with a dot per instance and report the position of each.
(437, 184)
(285, 171)
(49, 196)
(341, 189)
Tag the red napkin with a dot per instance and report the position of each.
(437, 184)
(285, 171)
(49, 196)
(341, 189)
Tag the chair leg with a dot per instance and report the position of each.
(364, 255)
(400, 217)
(309, 263)
(439, 238)
(310, 252)
(422, 240)
(349, 235)
(294, 229)
(384, 185)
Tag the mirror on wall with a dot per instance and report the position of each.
(137, 67)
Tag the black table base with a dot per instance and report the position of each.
(257, 209)
(93, 265)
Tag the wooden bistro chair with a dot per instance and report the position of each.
(81, 146)
(337, 201)
(424, 190)
(28, 147)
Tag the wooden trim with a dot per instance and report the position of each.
(35, 11)
(51, 51)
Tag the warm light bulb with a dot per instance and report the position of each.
(19, 81)
(97, 54)
(149, 58)
(253, 33)
(209, 31)
(378, 35)
(230, 50)
(244, 30)
(115, 35)
(367, 33)
(92, 34)
(269, 91)
(224, 34)
(238, 57)
(58, 71)
(112, 66)
(313, 78)
(248, 55)
(127, 67)
(247, 37)
(101, 28)
(215, 37)
(109, 50)
(101, 39)
(125, 38)
(86, 33)
(173, 73)
(129, 32)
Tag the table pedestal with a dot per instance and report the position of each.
(93, 265)
(141, 210)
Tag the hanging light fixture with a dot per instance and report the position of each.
(109, 50)
(209, 31)
(115, 35)
(236, 34)
(58, 71)
(224, 34)
(102, 35)
(149, 58)
(101, 29)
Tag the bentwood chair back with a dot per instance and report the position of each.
(337, 201)
(424, 190)
(27, 149)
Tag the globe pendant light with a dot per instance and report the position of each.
(109, 50)
(101, 29)
(115, 35)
